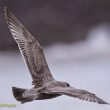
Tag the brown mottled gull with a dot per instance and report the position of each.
(45, 86)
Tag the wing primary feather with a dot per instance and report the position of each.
(30, 49)
(77, 93)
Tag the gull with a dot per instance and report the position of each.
(44, 85)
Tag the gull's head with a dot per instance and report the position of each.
(64, 84)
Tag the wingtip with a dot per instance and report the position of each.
(5, 8)
(7, 14)
(108, 103)
(105, 103)
(6, 11)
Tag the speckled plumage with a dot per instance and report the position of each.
(45, 86)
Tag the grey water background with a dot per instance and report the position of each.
(85, 65)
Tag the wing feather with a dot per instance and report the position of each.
(30, 50)
(77, 93)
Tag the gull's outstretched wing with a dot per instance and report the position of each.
(76, 93)
(30, 50)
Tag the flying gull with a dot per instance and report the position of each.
(45, 86)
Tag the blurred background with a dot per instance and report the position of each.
(75, 36)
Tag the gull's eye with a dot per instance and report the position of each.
(67, 85)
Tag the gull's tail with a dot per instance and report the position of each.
(17, 93)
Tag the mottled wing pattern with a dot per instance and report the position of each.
(77, 93)
(30, 50)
